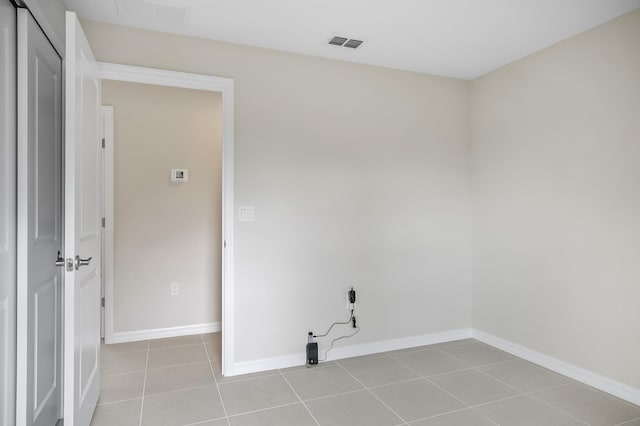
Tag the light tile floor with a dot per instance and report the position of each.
(177, 381)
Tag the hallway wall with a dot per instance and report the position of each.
(166, 232)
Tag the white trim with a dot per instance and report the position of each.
(160, 77)
(354, 350)
(228, 218)
(108, 206)
(597, 381)
(226, 87)
(54, 36)
(161, 333)
(22, 208)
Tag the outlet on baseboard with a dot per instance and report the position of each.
(175, 289)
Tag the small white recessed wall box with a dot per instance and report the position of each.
(179, 175)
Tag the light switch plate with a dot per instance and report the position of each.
(246, 214)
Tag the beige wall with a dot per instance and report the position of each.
(165, 232)
(358, 175)
(556, 184)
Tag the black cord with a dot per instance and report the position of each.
(335, 340)
(350, 321)
(334, 324)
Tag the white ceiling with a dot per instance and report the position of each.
(454, 38)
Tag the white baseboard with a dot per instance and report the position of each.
(597, 381)
(294, 360)
(159, 333)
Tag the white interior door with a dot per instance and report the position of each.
(7, 212)
(83, 186)
(40, 233)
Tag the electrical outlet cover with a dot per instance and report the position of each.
(175, 289)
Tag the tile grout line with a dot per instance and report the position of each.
(458, 359)
(547, 389)
(446, 413)
(213, 373)
(180, 364)
(410, 350)
(506, 398)
(514, 358)
(424, 376)
(118, 401)
(206, 421)
(530, 395)
(259, 410)
(145, 350)
(477, 368)
(299, 368)
(171, 391)
(300, 399)
(626, 422)
(248, 378)
(175, 347)
(490, 364)
(332, 395)
(144, 383)
(500, 381)
(115, 354)
(142, 370)
(413, 379)
(372, 394)
(464, 404)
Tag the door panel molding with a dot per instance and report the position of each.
(46, 326)
(47, 188)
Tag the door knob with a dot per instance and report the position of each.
(82, 262)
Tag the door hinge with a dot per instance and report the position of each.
(103, 142)
(102, 302)
(104, 222)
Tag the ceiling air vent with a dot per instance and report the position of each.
(345, 42)
(352, 43)
(338, 41)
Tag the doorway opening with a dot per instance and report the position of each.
(168, 197)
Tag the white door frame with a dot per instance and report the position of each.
(209, 83)
(106, 123)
